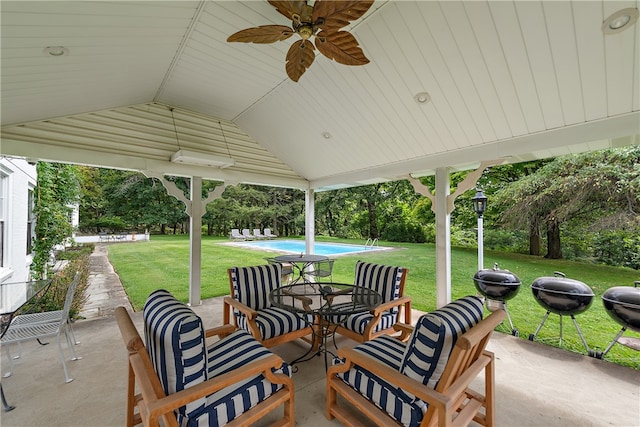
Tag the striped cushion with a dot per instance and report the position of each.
(174, 338)
(251, 285)
(434, 337)
(233, 352)
(382, 278)
(358, 322)
(386, 396)
(274, 322)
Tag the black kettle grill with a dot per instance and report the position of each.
(622, 303)
(497, 286)
(564, 297)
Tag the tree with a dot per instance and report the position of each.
(599, 189)
(57, 192)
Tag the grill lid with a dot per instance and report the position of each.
(495, 276)
(623, 295)
(559, 284)
(496, 284)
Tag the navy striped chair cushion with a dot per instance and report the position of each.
(274, 322)
(175, 342)
(358, 322)
(386, 396)
(383, 279)
(233, 352)
(434, 337)
(251, 285)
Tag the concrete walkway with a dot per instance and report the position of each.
(536, 385)
(105, 291)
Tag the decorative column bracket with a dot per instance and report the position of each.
(175, 191)
(469, 182)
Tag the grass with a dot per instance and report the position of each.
(163, 262)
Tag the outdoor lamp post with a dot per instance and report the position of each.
(480, 205)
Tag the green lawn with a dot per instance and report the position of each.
(163, 262)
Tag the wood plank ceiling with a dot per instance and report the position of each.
(139, 80)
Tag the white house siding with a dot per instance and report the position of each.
(17, 178)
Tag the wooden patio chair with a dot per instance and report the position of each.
(249, 304)
(426, 381)
(182, 381)
(389, 282)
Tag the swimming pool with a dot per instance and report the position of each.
(298, 246)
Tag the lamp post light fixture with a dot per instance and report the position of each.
(479, 206)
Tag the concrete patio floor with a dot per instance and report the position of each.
(537, 385)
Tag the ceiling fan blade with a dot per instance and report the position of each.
(262, 34)
(337, 14)
(300, 57)
(342, 47)
(290, 8)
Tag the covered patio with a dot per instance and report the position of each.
(155, 87)
(536, 385)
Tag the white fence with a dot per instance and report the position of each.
(112, 238)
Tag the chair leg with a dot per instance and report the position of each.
(70, 342)
(73, 334)
(10, 371)
(73, 353)
(64, 365)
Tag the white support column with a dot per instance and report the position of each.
(443, 238)
(195, 241)
(195, 207)
(309, 219)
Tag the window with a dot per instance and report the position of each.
(31, 222)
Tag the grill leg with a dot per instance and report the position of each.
(601, 355)
(584, 342)
(514, 331)
(561, 331)
(544, 319)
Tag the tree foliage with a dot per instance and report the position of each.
(590, 200)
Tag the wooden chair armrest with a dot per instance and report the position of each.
(157, 407)
(404, 328)
(440, 401)
(244, 309)
(220, 331)
(306, 301)
(390, 304)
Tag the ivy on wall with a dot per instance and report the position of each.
(56, 193)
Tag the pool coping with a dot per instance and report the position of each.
(246, 245)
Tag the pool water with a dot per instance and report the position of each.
(298, 246)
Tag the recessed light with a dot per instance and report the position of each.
(422, 97)
(55, 50)
(326, 135)
(620, 21)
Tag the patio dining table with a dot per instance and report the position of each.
(330, 303)
(301, 262)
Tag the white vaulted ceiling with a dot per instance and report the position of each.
(519, 80)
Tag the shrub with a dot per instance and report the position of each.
(404, 232)
(618, 248)
(54, 298)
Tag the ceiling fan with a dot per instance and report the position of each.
(323, 21)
